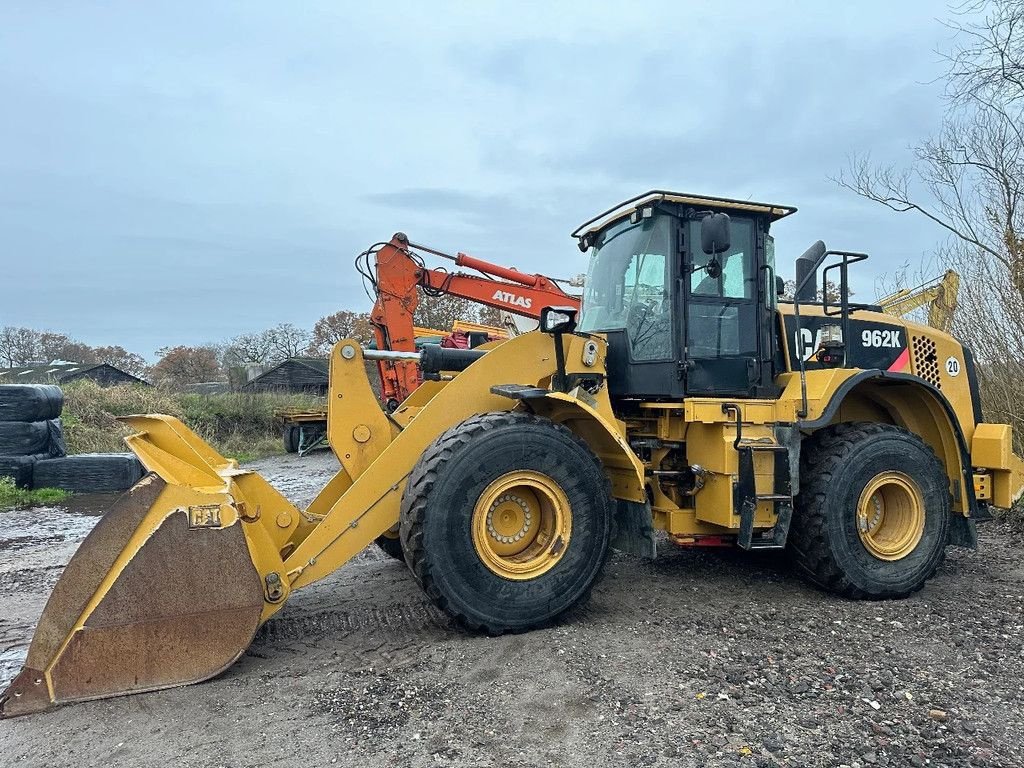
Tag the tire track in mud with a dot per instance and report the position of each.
(372, 614)
(403, 619)
(24, 585)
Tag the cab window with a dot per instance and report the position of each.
(736, 280)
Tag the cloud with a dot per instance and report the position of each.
(184, 173)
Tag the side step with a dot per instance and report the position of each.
(747, 497)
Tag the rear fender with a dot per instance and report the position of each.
(912, 403)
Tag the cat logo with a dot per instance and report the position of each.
(204, 516)
(511, 298)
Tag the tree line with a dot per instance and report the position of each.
(26, 346)
(183, 364)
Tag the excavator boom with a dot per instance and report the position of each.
(399, 274)
(938, 295)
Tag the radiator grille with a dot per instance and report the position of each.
(926, 363)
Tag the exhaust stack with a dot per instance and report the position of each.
(807, 269)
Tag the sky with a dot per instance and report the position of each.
(180, 173)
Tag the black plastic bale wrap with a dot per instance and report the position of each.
(25, 438)
(89, 472)
(19, 469)
(30, 402)
(57, 447)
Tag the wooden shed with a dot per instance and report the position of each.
(296, 374)
(104, 374)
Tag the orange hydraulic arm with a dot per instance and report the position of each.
(398, 274)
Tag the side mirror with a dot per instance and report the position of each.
(714, 233)
(557, 320)
(780, 286)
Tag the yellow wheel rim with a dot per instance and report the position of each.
(521, 525)
(890, 516)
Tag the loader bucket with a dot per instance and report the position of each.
(163, 592)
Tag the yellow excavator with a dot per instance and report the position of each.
(685, 397)
(939, 295)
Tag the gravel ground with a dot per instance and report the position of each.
(697, 658)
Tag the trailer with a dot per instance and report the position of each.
(303, 430)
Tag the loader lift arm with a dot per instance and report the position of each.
(398, 273)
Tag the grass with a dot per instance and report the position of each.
(239, 425)
(12, 497)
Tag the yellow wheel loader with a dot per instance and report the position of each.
(685, 398)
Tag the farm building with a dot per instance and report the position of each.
(296, 374)
(104, 374)
(302, 374)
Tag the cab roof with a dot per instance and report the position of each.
(775, 212)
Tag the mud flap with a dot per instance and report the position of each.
(962, 532)
(161, 593)
(634, 529)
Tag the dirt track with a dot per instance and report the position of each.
(698, 658)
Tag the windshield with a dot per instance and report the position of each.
(627, 286)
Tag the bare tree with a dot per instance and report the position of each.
(331, 329)
(286, 340)
(19, 346)
(249, 348)
(990, 55)
(969, 180)
(266, 347)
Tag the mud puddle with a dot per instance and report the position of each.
(35, 545)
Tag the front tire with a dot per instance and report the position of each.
(872, 517)
(506, 520)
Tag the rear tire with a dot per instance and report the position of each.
(291, 435)
(873, 514)
(506, 521)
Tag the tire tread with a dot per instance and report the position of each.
(808, 545)
(422, 480)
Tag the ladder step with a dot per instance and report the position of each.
(747, 498)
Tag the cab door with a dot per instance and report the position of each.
(722, 316)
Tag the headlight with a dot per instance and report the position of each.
(558, 319)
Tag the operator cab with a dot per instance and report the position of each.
(685, 295)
